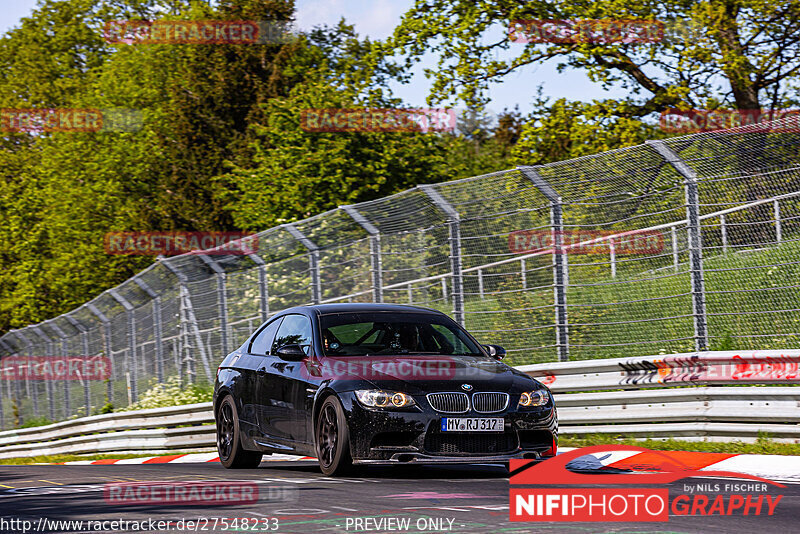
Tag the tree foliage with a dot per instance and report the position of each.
(742, 53)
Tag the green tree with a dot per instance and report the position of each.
(741, 53)
(297, 173)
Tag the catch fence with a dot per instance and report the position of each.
(685, 244)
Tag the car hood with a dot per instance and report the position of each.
(425, 374)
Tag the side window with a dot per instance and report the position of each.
(294, 330)
(448, 342)
(263, 341)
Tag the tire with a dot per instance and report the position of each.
(229, 443)
(333, 439)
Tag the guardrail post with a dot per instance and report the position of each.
(374, 251)
(48, 381)
(560, 268)
(454, 227)
(106, 347)
(222, 298)
(85, 349)
(695, 242)
(64, 353)
(313, 261)
(132, 356)
(157, 327)
(188, 318)
(263, 286)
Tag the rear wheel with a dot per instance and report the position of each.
(333, 439)
(229, 444)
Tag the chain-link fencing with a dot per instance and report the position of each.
(667, 247)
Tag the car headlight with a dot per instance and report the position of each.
(377, 398)
(538, 397)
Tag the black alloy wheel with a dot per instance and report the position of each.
(229, 445)
(333, 439)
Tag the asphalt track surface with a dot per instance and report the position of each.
(459, 499)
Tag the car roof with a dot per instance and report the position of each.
(346, 307)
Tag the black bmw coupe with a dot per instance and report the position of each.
(376, 384)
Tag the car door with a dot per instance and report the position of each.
(281, 386)
(253, 360)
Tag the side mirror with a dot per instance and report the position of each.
(495, 351)
(291, 353)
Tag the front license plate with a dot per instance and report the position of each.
(472, 424)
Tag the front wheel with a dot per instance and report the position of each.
(229, 444)
(333, 439)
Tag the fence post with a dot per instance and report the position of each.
(612, 255)
(374, 251)
(48, 383)
(190, 320)
(675, 253)
(724, 233)
(560, 274)
(10, 352)
(106, 347)
(157, 328)
(695, 242)
(132, 356)
(313, 261)
(64, 353)
(263, 287)
(32, 394)
(222, 298)
(454, 227)
(777, 206)
(85, 349)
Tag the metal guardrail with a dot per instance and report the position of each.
(678, 395)
(140, 430)
(657, 396)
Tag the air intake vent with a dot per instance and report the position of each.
(449, 402)
(490, 402)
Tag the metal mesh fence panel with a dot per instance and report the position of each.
(671, 246)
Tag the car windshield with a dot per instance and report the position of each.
(390, 333)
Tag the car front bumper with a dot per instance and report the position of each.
(397, 437)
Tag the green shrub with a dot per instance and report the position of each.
(172, 393)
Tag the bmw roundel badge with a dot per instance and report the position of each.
(466, 387)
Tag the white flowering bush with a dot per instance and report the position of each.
(172, 393)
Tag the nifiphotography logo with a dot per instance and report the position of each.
(559, 494)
